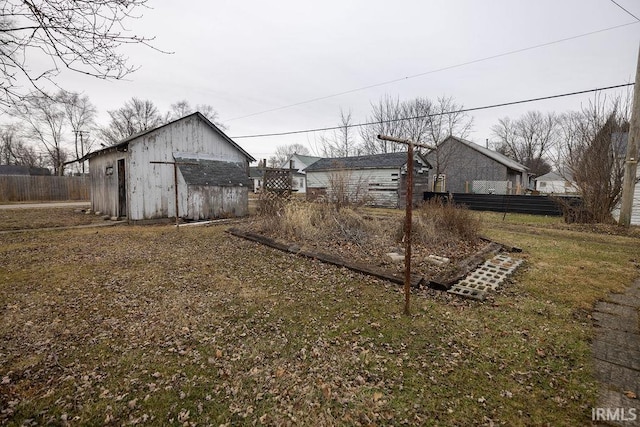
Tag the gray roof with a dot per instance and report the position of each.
(307, 160)
(551, 176)
(500, 158)
(213, 173)
(132, 138)
(374, 161)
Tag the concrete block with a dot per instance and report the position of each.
(395, 257)
(438, 260)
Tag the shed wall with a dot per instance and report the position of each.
(207, 202)
(151, 187)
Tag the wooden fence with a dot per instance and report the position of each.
(24, 188)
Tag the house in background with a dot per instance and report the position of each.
(256, 174)
(23, 170)
(187, 168)
(461, 166)
(298, 162)
(377, 180)
(554, 183)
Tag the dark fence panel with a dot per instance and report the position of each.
(25, 188)
(534, 205)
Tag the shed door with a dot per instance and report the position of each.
(122, 190)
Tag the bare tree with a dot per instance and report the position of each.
(593, 150)
(385, 119)
(529, 139)
(446, 119)
(283, 152)
(420, 119)
(134, 117)
(80, 113)
(183, 108)
(44, 123)
(84, 36)
(342, 143)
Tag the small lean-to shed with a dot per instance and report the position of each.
(189, 160)
(377, 180)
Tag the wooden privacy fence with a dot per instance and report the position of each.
(24, 188)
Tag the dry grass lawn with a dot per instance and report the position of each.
(153, 325)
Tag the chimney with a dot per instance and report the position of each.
(487, 142)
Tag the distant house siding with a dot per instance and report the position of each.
(379, 187)
(462, 165)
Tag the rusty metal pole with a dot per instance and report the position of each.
(407, 228)
(408, 213)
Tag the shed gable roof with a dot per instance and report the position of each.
(500, 158)
(212, 172)
(133, 138)
(373, 161)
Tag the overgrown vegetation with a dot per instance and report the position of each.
(438, 222)
(143, 325)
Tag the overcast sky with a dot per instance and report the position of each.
(247, 57)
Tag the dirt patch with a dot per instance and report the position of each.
(367, 239)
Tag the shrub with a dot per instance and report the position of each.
(437, 222)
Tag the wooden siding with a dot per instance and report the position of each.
(25, 188)
(104, 182)
(151, 187)
(379, 187)
(207, 202)
(462, 164)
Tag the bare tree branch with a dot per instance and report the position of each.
(84, 36)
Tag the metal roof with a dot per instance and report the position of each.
(500, 158)
(132, 138)
(212, 172)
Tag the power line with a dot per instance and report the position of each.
(617, 4)
(437, 70)
(464, 110)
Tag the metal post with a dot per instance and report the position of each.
(407, 228)
(408, 213)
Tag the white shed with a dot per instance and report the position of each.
(187, 168)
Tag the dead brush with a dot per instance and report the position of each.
(320, 221)
(437, 222)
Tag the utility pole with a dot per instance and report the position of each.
(631, 160)
(408, 214)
